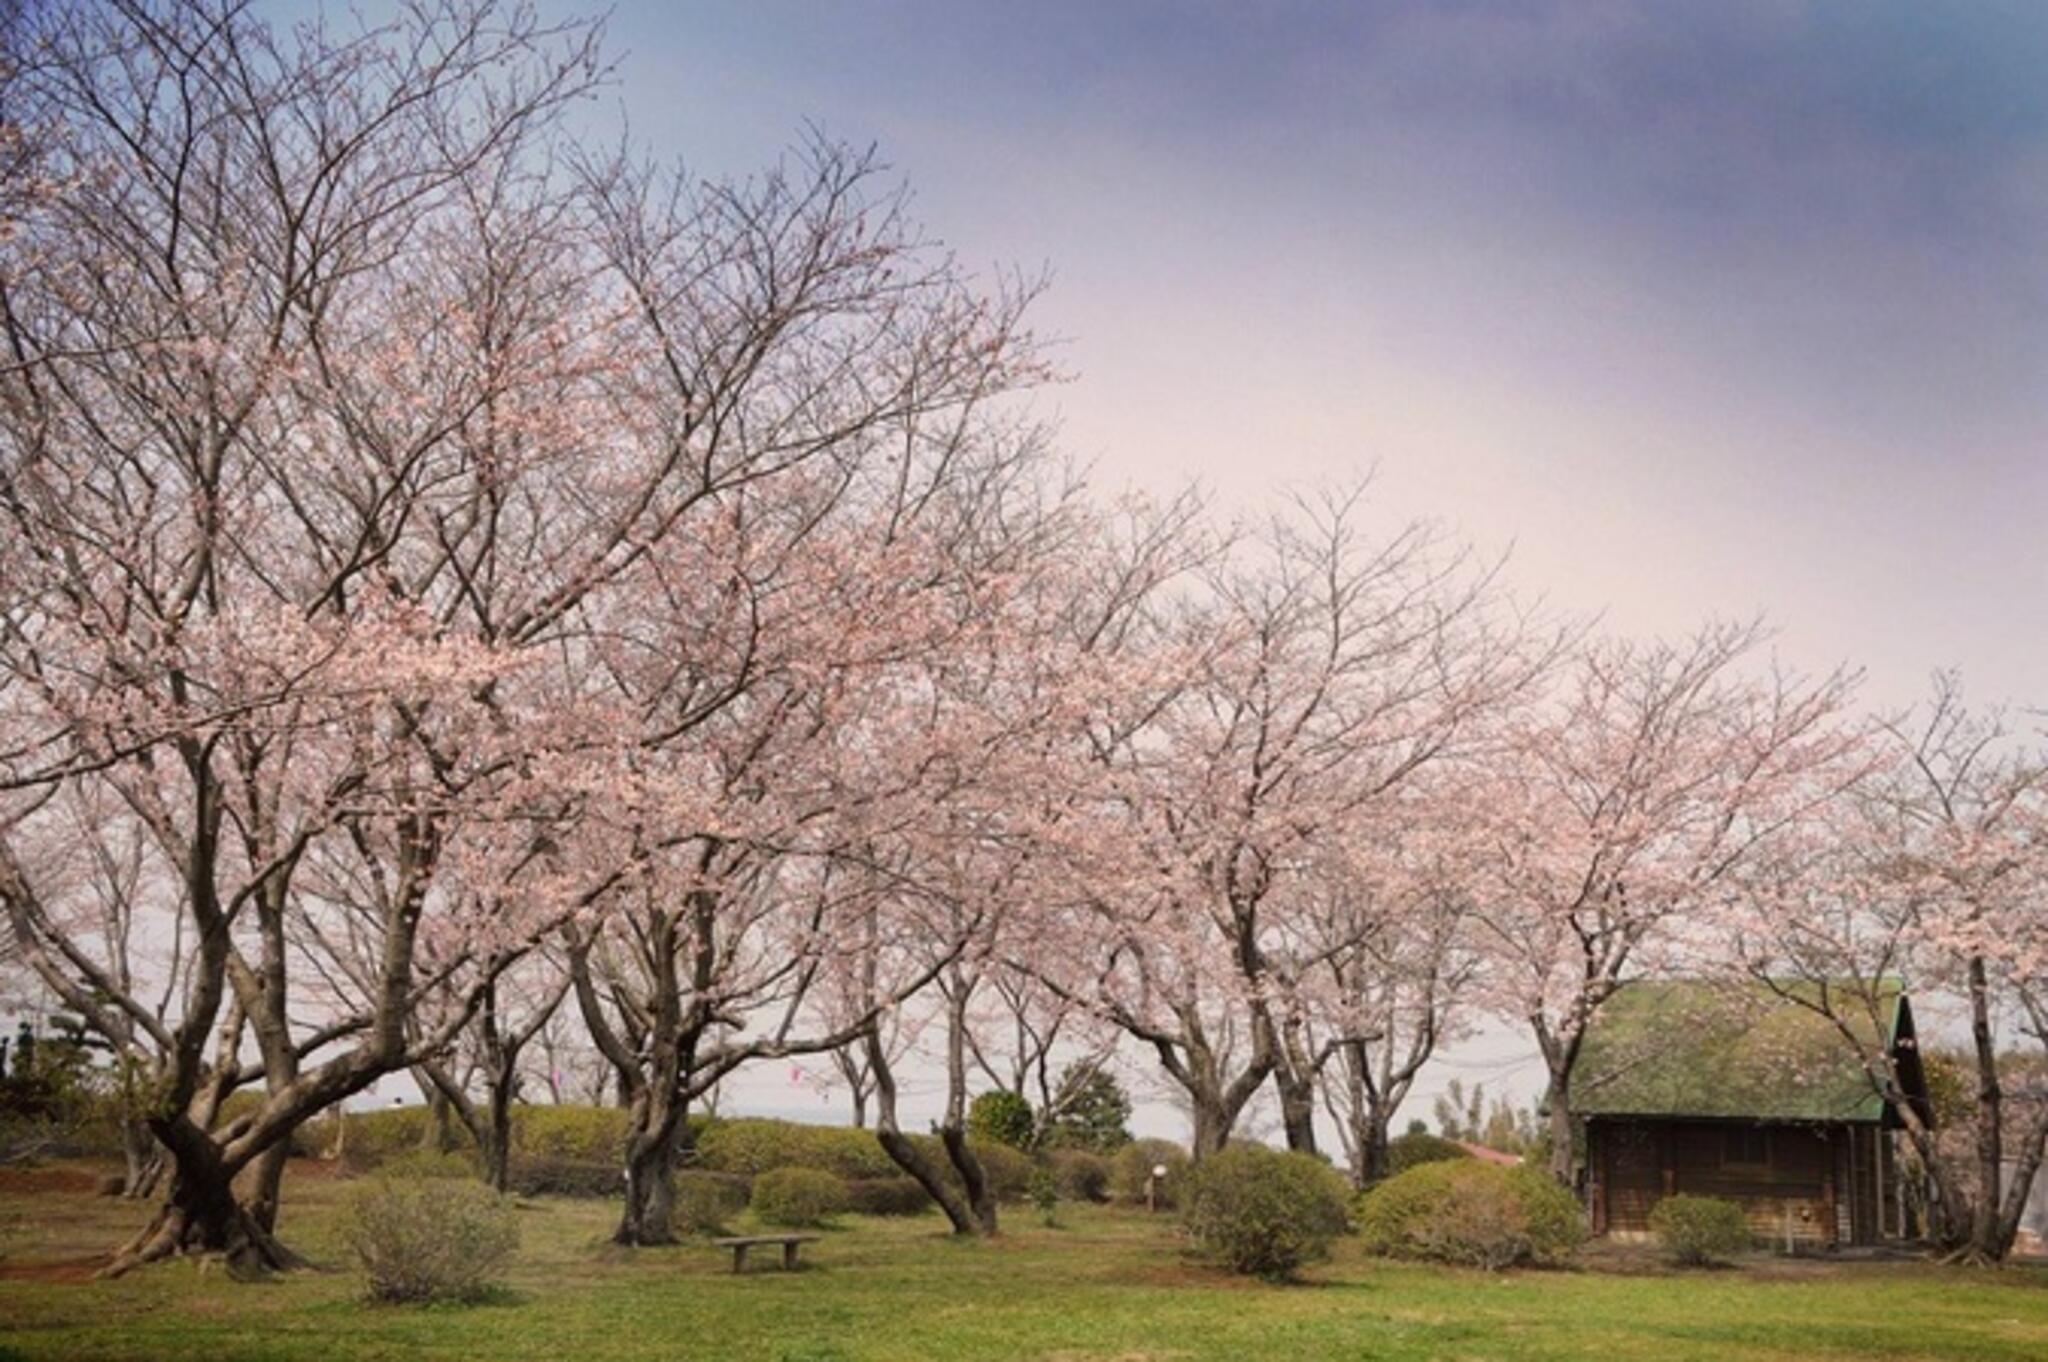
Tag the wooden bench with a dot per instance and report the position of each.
(740, 1245)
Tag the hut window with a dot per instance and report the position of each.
(1746, 1145)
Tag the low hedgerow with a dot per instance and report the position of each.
(430, 1239)
(1262, 1212)
(582, 1134)
(1134, 1163)
(797, 1197)
(1465, 1211)
(1079, 1174)
(548, 1175)
(428, 1164)
(752, 1146)
(887, 1196)
(705, 1202)
(1697, 1230)
(1009, 1171)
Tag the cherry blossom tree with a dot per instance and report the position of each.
(1318, 670)
(1621, 814)
(1929, 870)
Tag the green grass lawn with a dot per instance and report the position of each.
(1110, 1284)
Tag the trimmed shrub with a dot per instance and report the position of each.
(1008, 1170)
(1262, 1212)
(549, 1176)
(704, 1202)
(1079, 1175)
(797, 1196)
(1465, 1211)
(428, 1164)
(1001, 1117)
(430, 1239)
(888, 1196)
(1134, 1163)
(1697, 1230)
(752, 1146)
(1418, 1147)
(585, 1134)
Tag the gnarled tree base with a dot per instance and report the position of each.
(204, 1228)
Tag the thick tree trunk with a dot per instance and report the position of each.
(1372, 1145)
(1557, 1099)
(907, 1155)
(263, 1184)
(981, 1197)
(201, 1216)
(1297, 1109)
(497, 1147)
(649, 1216)
(1211, 1125)
(142, 1160)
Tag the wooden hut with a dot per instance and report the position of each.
(1689, 1087)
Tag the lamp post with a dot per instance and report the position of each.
(1152, 1182)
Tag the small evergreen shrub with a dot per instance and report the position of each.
(1079, 1175)
(1478, 1214)
(797, 1197)
(1044, 1192)
(1134, 1163)
(887, 1196)
(1001, 1117)
(1697, 1230)
(430, 1239)
(1418, 1147)
(1262, 1212)
(704, 1201)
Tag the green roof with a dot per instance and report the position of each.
(1694, 1048)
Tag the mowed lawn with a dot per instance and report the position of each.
(1109, 1284)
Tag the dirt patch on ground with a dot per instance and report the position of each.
(33, 1181)
(71, 1270)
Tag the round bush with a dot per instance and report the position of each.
(1134, 1163)
(1262, 1212)
(1001, 1117)
(1696, 1230)
(1418, 1147)
(1465, 1211)
(1079, 1175)
(797, 1197)
(430, 1239)
(887, 1196)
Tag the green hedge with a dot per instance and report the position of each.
(888, 1196)
(797, 1197)
(754, 1145)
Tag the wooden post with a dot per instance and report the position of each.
(789, 1255)
(739, 1257)
(1834, 1237)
